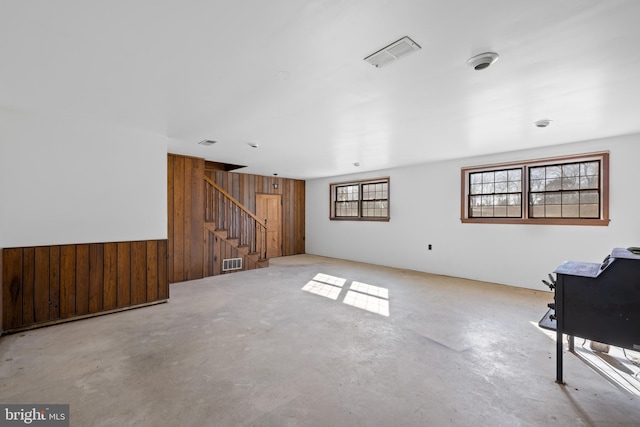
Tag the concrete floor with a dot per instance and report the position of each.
(253, 349)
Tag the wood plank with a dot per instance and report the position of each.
(54, 282)
(96, 276)
(67, 281)
(300, 215)
(216, 254)
(124, 274)
(163, 279)
(178, 220)
(41, 284)
(152, 270)
(110, 281)
(28, 280)
(1, 291)
(138, 273)
(188, 177)
(170, 207)
(12, 288)
(196, 258)
(82, 279)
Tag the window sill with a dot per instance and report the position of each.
(538, 221)
(360, 219)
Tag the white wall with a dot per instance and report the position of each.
(425, 209)
(69, 181)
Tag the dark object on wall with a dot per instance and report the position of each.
(599, 302)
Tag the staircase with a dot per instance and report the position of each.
(231, 231)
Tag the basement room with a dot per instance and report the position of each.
(319, 213)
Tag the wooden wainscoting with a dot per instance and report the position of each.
(49, 284)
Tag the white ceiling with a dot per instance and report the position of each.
(289, 75)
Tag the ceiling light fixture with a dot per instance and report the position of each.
(396, 50)
(207, 142)
(542, 123)
(483, 60)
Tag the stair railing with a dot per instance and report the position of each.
(229, 214)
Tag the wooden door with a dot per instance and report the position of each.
(269, 210)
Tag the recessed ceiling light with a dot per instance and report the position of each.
(482, 61)
(396, 50)
(542, 123)
(207, 142)
(253, 144)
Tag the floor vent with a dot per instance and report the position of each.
(231, 264)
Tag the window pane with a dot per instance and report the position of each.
(589, 197)
(476, 189)
(487, 188)
(553, 184)
(514, 211)
(501, 176)
(570, 198)
(553, 172)
(514, 174)
(346, 208)
(571, 183)
(570, 170)
(515, 186)
(590, 168)
(589, 182)
(536, 173)
(475, 203)
(374, 209)
(475, 178)
(589, 211)
(553, 211)
(537, 211)
(570, 211)
(536, 185)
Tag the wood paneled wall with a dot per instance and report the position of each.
(185, 203)
(1, 294)
(188, 258)
(47, 284)
(244, 187)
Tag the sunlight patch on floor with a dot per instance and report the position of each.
(322, 289)
(374, 299)
(367, 302)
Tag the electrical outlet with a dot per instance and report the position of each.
(430, 246)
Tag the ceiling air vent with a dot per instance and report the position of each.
(396, 50)
(207, 142)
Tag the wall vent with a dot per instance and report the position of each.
(396, 50)
(231, 264)
(207, 142)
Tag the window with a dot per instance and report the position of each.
(567, 190)
(360, 200)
